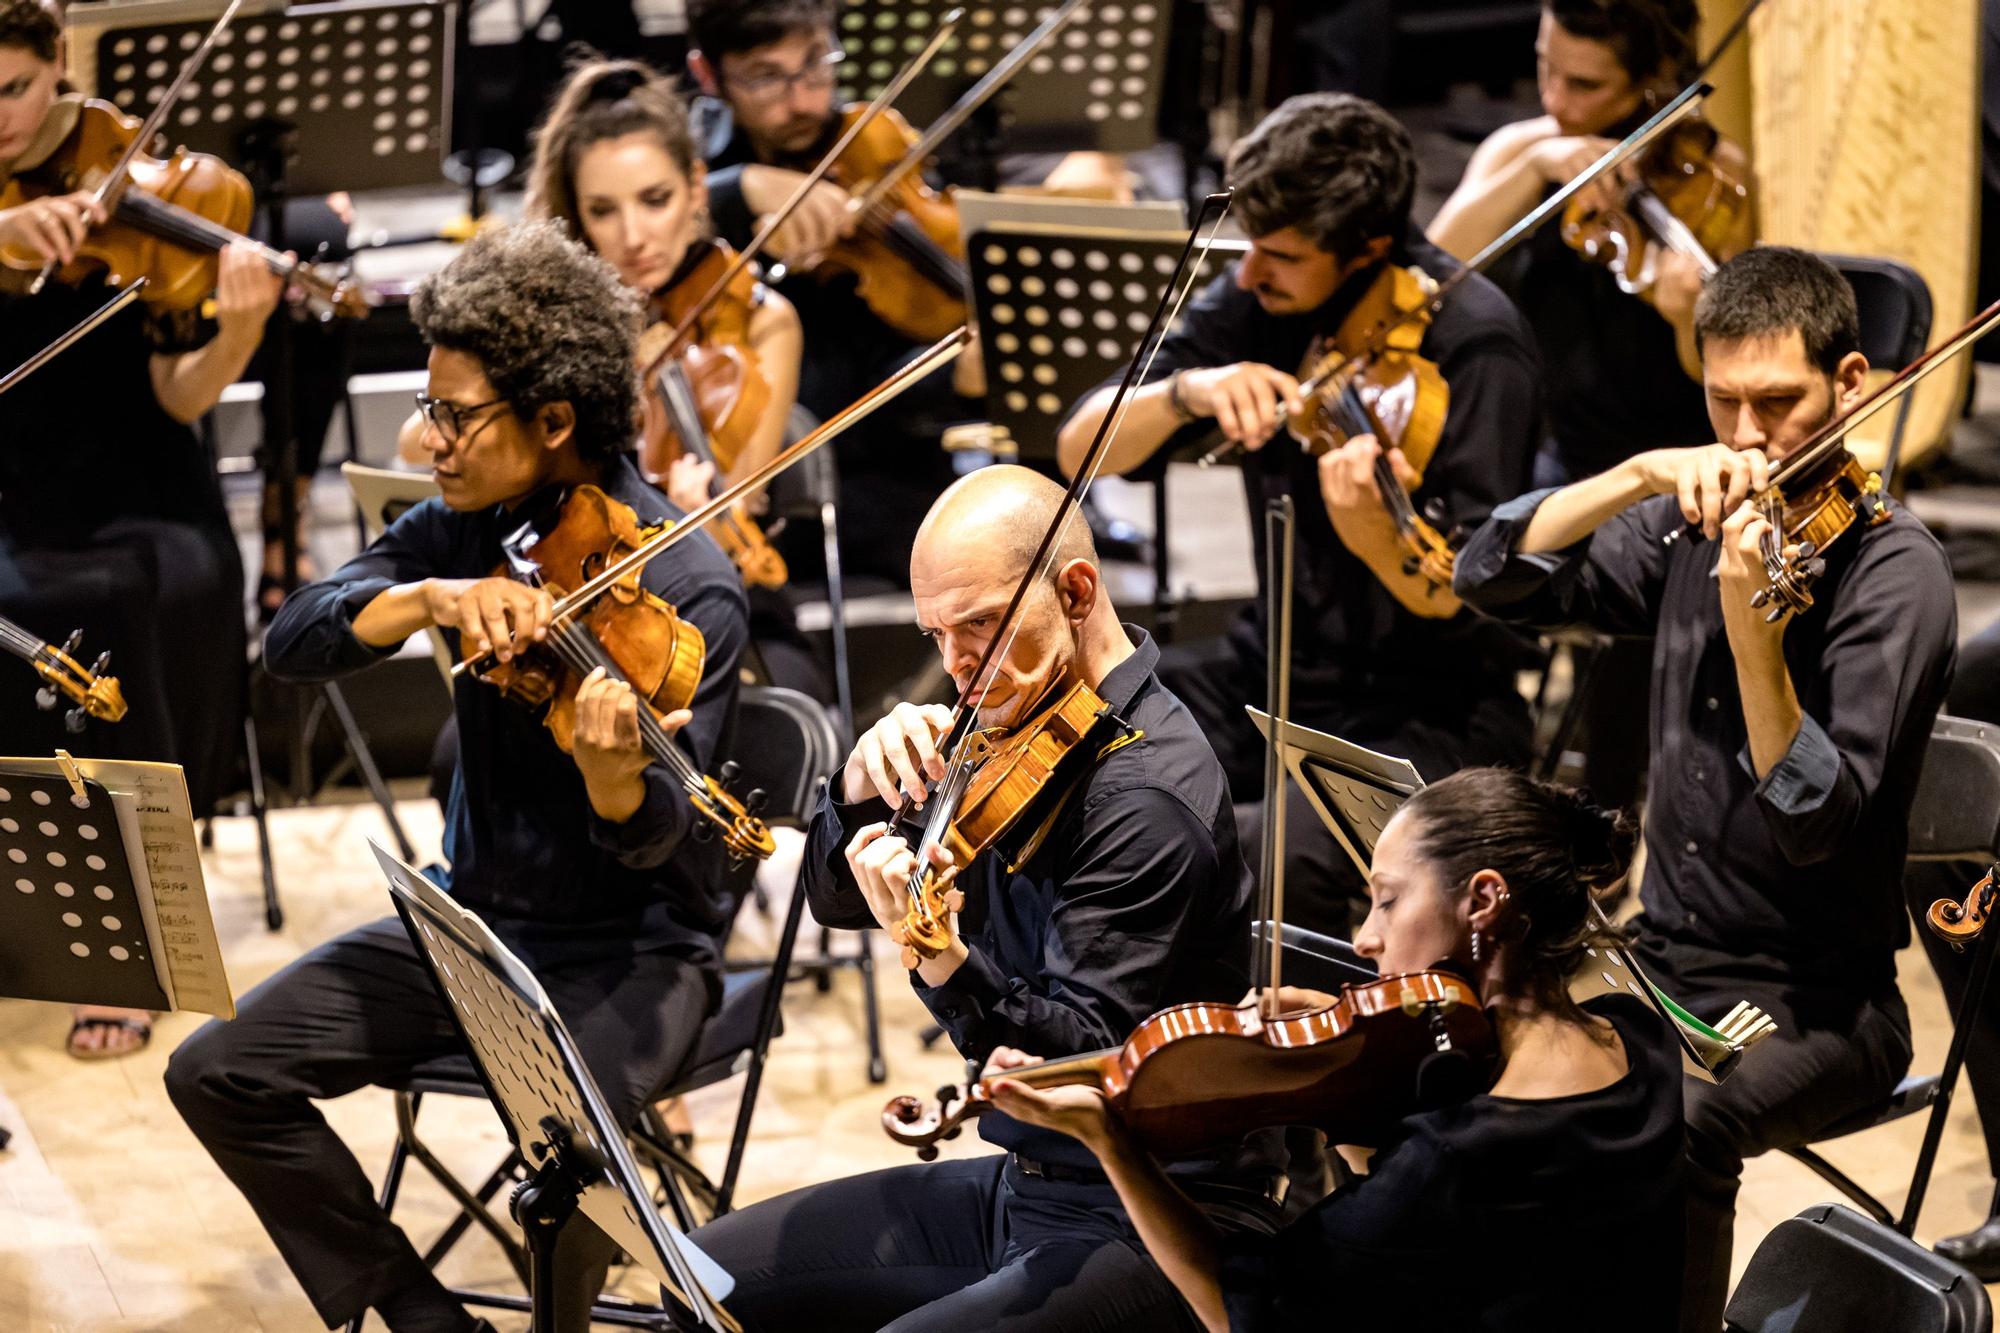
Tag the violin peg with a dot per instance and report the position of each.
(71, 644)
(73, 721)
(754, 802)
(102, 664)
(1808, 549)
(729, 771)
(927, 1153)
(949, 1094)
(1760, 597)
(952, 1133)
(45, 698)
(703, 830)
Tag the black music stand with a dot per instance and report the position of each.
(550, 1105)
(1096, 85)
(1060, 311)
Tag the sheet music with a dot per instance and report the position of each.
(151, 800)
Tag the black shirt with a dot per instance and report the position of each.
(1137, 899)
(1615, 382)
(1349, 631)
(1795, 875)
(1497, 1214)
(526, 849)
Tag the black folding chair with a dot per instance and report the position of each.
(1895, 308)
(1831, 1270)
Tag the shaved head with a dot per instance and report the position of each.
(995, 518)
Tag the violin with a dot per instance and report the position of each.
(1960, 923)
(1372, 381)
(705, 395)
(1688, 197)
(1201, 1076)
(170, 217)
(630, 633)
(91, 693)
(997, 778)
(907, 251)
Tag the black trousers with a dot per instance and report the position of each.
(362, 1009)
(950, 1246)
(1439, 732)
(1831, 1055)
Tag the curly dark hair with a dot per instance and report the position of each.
(1769, 290)
(1335, 166)
(719, 28)
(1556, 850)
(548, 322)
(1651, 38)
(603, 99)
(31, 25)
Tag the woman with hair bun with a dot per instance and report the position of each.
(1554, 1193)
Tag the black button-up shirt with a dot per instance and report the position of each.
(1350, 632)
(1795, 875)
(526, 849)
(1137, 899)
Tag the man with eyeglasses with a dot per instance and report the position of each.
(582, 861)
(768, 70)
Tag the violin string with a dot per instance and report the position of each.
(581, 651)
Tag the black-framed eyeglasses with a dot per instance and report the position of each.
(769, 89)
(451, 418)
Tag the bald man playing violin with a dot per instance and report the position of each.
(1785, 752)
(1119, 890)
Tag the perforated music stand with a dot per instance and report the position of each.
(550, 1105)
(1095, 86)
(366, 84)
(1355, 791)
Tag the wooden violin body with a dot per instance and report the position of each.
(628, 631)
(168, 222)
(1004, 776)
(706, 396)
(1201, 1076)
(1811, 517)
(907, 249)
(1689, 197)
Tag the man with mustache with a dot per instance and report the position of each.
(1380, 656)
(1118, 891)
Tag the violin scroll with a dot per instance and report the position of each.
(92, 693)
(914, 1125)
(1960, 923)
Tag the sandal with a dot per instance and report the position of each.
(141, 1028)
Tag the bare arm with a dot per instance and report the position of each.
(1710, 481)
(188, 384)
(1248, 401)
(779, 344)
(1501, 184)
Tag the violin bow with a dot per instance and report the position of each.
(853, 414)
(125, 296)
(114, 181)
(1280, 541)
(1040, 564)
(1638, 141)
(890, 92)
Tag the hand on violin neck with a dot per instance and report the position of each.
(898, 757)
(823, 218)
(882, 863)
(1347, 483)
(246, 292)
(1074, 1109)
(492, 615)
(1249, 401)
(1740, 575)
(1005, 1058)
(52, 227)
(688, 481)
(1711, 480)
(607, 747)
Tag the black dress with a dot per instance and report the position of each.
(1497, 1214)
(112, 522)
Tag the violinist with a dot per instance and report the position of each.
(1382, 656)
(768, 69)
(615, 164)
(1784, 754)
(1119, 893)
(111, 516)
(582, 862)
(1554, 1192)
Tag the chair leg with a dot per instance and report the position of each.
(1837, 1178)
(767, 1024)
(878, 1069)
(836, 598)
(274, 914)
(508, 1170)
(406, 1129)
(364, 759)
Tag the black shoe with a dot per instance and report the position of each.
(1977, 1251)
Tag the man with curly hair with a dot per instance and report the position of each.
(581, 862)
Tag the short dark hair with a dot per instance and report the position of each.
(1336, 166)
(603, 99)
(31, 25)
(1769, 290)
(1556, 850)
(548, 321)
(1649, 37)
(719, 28)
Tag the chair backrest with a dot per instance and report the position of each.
(1956, 813)
(1895, 307)
(381, 495)
(785, 744)
(1831, 1270)
(1318, 961)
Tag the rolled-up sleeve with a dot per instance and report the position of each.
(312, 637)
(1142, 863)
(1611, 581)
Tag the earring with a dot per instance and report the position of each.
(1476, 942)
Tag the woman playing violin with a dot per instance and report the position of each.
(111, 516)
(1556, 1191)
(615, 163)
(1120, 889)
